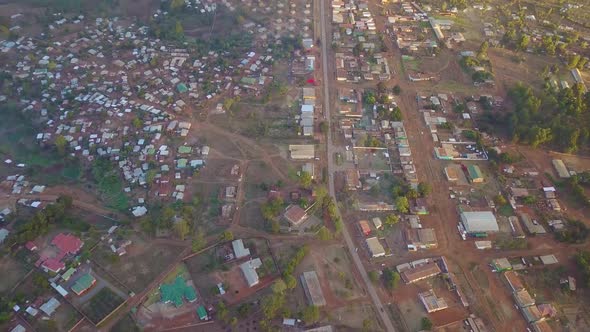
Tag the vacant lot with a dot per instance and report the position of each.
(101, 304)
(143, 263)
(12, 272)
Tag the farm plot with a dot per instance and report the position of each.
(101, 305)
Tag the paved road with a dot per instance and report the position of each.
(385, 319)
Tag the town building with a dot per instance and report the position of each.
(249, 270)
(313, 290)
(421, 272)
(375, 248)
(431, 302)
(479, 222)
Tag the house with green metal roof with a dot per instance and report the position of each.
(475, 173)
(185, 149)
(176, 291)
(68, 274)
(248, 80)
(181, 87)
(181, 163)
(83, 283)
(202, 312)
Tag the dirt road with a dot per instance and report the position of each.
(381, 312)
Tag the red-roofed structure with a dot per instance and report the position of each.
(67, 244)
(31, 246)
(53, 265)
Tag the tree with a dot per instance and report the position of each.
(222, 311)
(482, 52)
(323, 127)
(178, 30)
(412, 193)
(60, 145)
(391, 278)
(367, 325)
(500, 200)
(397, 89)
(426, 324)
(305, 180)
(391, 220)
(523, 42)
(199, 242)
(137, 123)
(279, 286)
(402, 204)
(324, 234)
(226, 236)
(290, 281)
(573, 61)
(228, 103)
(310, 315)
(176, 4)
(424, 189)
(182, 228)
(373, 276)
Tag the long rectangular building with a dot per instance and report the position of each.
(313, 289)
(420, 272)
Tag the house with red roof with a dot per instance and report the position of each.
(53, 265)
(31, 246)
(67, 244)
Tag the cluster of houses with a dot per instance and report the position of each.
(413, 31)
(534, 313)
(112, 90)
(358, 57)
(66, 276)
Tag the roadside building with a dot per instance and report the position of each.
(353, 181)
(532, 226)
(431, 302)
(514, 281)
(475, 174)
(523, 298)
(531, 314)
(377, 222)
(68, 274)
(560, 168)
(364, 227)
(249, 270)
(421, 272)
(313, 290)
(541, 326)
(302, 151)
(451, 173)
(295, 214)
(375, 247)
(482, 245)
(479, 222)
(501, 264)
(548, 259)
(424, 238)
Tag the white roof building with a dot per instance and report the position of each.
(249, 270)
(479, 222)
(239, 249)
(50, 306)
(375, 247)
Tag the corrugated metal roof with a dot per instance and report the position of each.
(479, 221)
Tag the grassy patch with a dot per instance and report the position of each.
(506, 210)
